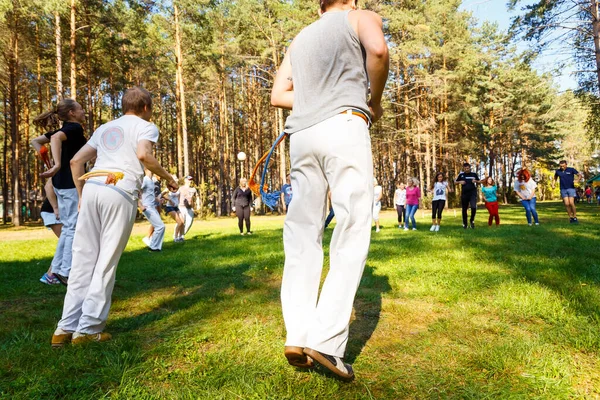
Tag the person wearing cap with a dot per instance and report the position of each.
(186, 202)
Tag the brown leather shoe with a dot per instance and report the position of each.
(296, 357)
(60, 340)
(92, 337)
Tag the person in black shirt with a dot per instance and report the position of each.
(242, 200)
(65, 143)
(468, 196)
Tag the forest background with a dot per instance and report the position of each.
(457, 90)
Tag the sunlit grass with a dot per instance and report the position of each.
(508, 312)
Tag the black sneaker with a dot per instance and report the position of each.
(571, 220)
(472, 225)
(575, 220)
(62, 279)
(334, 364)
(464, 227)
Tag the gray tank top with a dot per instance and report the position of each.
(328, 72)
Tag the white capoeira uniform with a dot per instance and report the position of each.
(106, 217)
(152, 215)
(376, 203)
(187, 194)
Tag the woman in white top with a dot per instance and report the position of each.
(377, 194)
(400, 202)
(172, 209)
(439, 190)
(525, 190)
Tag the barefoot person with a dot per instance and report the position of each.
(329, 147)
(65, 142)
(567, 177)
(107, 214)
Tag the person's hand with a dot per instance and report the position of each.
(57, 215)
(144, 209)
(172, 185)
(233, 209)
(462, 182)
(376, 111)
(251, 209)
(50, 172)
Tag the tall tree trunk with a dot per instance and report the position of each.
(72, 46)
(183, 117)
(57, 36)
(13, 66)
(5, 178)
(596, 31)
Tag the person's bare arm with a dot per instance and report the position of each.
(144, 154)
(39, 141)
(56, 147)
(282, 94)
(51, 196)
(370, 33)
(85, 154)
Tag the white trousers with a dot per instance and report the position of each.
(105, 221)
(68, 200)
(188, 217)
(335, 153)
(158, 236)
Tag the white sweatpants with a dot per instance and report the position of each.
(335, 153)
(105, 221)
(68, 199)
(158, 236)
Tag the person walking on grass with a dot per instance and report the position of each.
(588, 194)
(172, 197)
(567, 177)
(525, 190)
(377, 194)
(329, 147)
(242, 204)
(147, 204)
(400, 202)
(65, 142)
(187, 193)
(440, 191)
(108, 206)
(490, 194)
(413, 194)
(468, 195)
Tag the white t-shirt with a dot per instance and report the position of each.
(148, 199)
(377, 190)
(116, 146)
(172, 198)
(400, 196)
(526, 189)
(439, 191)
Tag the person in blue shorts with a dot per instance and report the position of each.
(567, 188)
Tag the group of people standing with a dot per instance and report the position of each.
(406, 197)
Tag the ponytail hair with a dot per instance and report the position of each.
(51, 119)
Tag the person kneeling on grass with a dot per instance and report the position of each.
(107, 210)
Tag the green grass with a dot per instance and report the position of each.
(507, 313)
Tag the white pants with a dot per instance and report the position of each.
(105, 221)
(188, 217)
(376, 210)
(335, 153)
(158, 236)
(68, 200)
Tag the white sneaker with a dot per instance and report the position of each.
(377, 230)
(414, 229)
(146, 241)
(537, 223)
(432, 228)
(437, 228)
(405, 228)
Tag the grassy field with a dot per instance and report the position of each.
(506, 313)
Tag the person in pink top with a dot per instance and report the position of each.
(413, 194)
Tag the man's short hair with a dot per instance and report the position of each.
(466, 164)
(562, 161)
(136, 99)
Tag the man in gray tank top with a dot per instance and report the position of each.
(324, 79)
